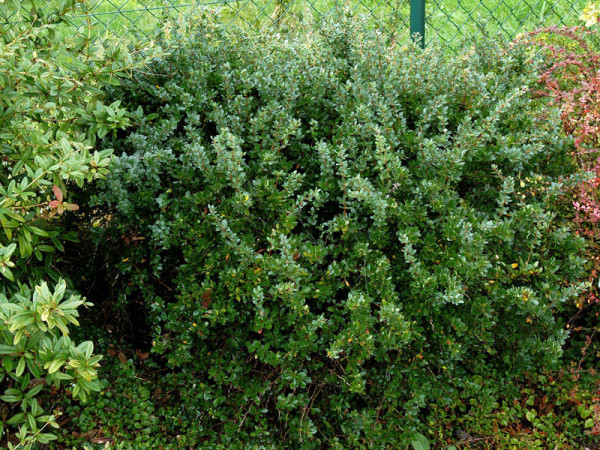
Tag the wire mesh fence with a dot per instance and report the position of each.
(449, 21)
(452, 20)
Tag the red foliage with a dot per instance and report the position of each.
(572, 81)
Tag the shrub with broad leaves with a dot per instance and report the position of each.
(37, 352)
(52, 111)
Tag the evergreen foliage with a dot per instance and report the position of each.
(51, 112)
(329, 233)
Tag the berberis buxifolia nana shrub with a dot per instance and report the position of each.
(330, 232)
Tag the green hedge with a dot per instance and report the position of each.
(330, 232)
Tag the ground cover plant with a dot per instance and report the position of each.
(320, 238)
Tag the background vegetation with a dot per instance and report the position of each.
(325, 239)
(449, 21)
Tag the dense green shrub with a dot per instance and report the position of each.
(51, 112)
(331, 232)
(36, 355)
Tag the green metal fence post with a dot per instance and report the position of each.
(417, 20)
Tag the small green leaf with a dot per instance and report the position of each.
(31, 422)
(9, 251)
(63, 376)
(20, 367)
(7, 273)
(589, 423)
(58, 244)
(419, 442)
(55, 365)
(87, 348)
(7, 349)
(45, 438)
(38, 231)
(34, 390)
(17, 418)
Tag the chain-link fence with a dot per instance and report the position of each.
(451, 20)
(446, 20)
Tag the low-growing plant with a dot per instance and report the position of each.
(331, 232)
(135, 407)
(551, 410)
